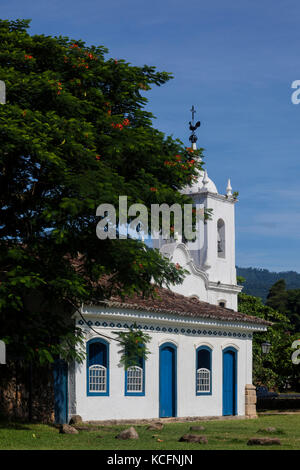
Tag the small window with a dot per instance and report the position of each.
(203, 371)
(97, 367)
(134, 379)
(222, 304)
(97, 379)
(203, 380)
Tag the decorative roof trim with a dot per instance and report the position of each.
(219, 197)
(112, 309)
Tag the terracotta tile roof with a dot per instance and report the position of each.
(172, 303)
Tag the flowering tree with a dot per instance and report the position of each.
(75, 134)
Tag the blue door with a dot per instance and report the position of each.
(60, 385)
(167, 380)
(229, 382)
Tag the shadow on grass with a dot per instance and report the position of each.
(15, 426)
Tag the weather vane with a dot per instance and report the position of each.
(193, 138)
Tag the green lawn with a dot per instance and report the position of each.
(220, 434)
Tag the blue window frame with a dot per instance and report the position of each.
(97, 367)
(203, 371)
(135, 379)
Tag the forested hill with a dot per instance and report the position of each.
(259, 281)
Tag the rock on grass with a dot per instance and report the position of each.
(129, 433)
(193, 438)
(75, 419)
(197, 428)
(263, 441)
(155, 427)
(67, 429)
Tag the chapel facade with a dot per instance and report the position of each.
(200, 362)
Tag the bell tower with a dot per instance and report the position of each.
(215, 253)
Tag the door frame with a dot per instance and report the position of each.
(235, 388)
(174, 347)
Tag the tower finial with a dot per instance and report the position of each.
(193, 138)
(205, 180)
(229, 189)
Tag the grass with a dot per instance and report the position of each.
(221, 435)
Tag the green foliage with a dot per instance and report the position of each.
(276, 369)
(277, 296)
(134, 346)
(74, 134)
(286, 301)
(240, 279)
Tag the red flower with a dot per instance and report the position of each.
(28, 56)
(98, 157)
(116, 61)
(177, 266)
(117, 126)
(153, 189)
(126, 122)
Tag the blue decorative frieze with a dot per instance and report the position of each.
(168, 329)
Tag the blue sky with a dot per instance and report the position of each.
(235, 61)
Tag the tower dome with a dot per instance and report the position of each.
(202, 183)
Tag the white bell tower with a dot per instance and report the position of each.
(216, 253)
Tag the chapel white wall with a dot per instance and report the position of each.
(119, 406)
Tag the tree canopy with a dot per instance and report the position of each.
(285, 301)
(276, 369)
(75, 134)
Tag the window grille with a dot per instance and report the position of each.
(97, 378)
(203, 380)
(134, 379)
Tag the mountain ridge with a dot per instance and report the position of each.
(259, 280)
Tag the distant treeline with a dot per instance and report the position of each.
(258, 281)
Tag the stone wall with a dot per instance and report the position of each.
(15, 394)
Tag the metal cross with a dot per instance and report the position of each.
(193, 111)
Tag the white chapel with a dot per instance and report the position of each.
(201, 347)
